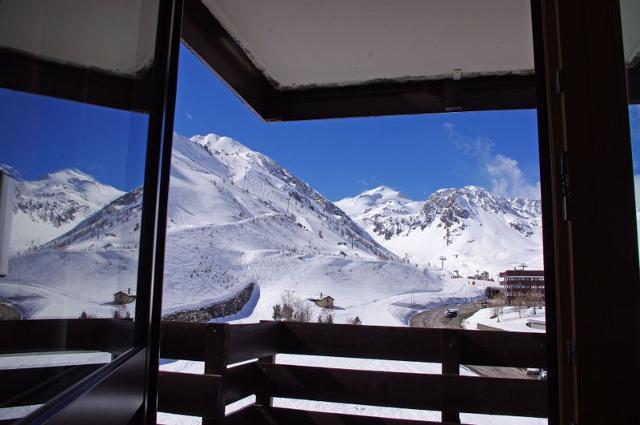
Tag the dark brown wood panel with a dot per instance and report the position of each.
(255, 415)
(301, 417)
(191, 341)
(595, 244)
(182, 340)
(394, 98)
(222, 344)
(496, 348)
(23, 387)
(288, 416)
(490, 348)
(633, 83)
(109, 335)
(249, 415)
(28, 73)
(373, 342)
(417, 391)
(190, 394)
(206, 37)
(239, 382)
(252, 341)
(208, 40)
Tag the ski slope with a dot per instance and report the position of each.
(236, 218)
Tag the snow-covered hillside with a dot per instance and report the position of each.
(382, 201)
(473, 229)
(54, 204)
(236, 218)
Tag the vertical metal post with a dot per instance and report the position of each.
(156, 186)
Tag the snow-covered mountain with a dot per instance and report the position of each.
(236, 218)
(54, 204)
(472, 228)
(382, 201)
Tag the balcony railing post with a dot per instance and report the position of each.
(216, 356)
(265, 400)
(450, 366)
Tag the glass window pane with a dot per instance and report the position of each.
(73, 119)
(631, 40)
(386, 222)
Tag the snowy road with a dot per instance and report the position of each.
(435, 319)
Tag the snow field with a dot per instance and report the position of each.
(512, 319)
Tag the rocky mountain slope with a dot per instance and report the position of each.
(474, 229)
(50, 206)
(236, 218)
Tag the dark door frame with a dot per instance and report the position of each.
(593, 213)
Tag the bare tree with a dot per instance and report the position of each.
(277, 312)
(355, 321)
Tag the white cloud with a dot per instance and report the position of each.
(479, 147)
(366, 181)
(189, 116)
(507, 179)
(504, 173)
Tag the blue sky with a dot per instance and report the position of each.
(42, 134)
(416, 154)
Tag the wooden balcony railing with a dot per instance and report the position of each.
(222, 345)
(54, 354)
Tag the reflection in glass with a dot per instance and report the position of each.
(73, 118)
(630, 14)
(74, 239)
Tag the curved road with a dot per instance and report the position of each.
(435, 319)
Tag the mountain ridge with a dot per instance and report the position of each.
(450, 221)
(236, 219)
(53, 204)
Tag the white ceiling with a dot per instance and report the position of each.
(335, 42)
(112, 35)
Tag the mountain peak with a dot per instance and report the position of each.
(68, 175)
(380, 200)
(223, 144)
(382, 192)
(48, 207)
(376, 196)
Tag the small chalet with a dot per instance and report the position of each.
(122, 297)
(325, 302)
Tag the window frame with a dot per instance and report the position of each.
(133, 374)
